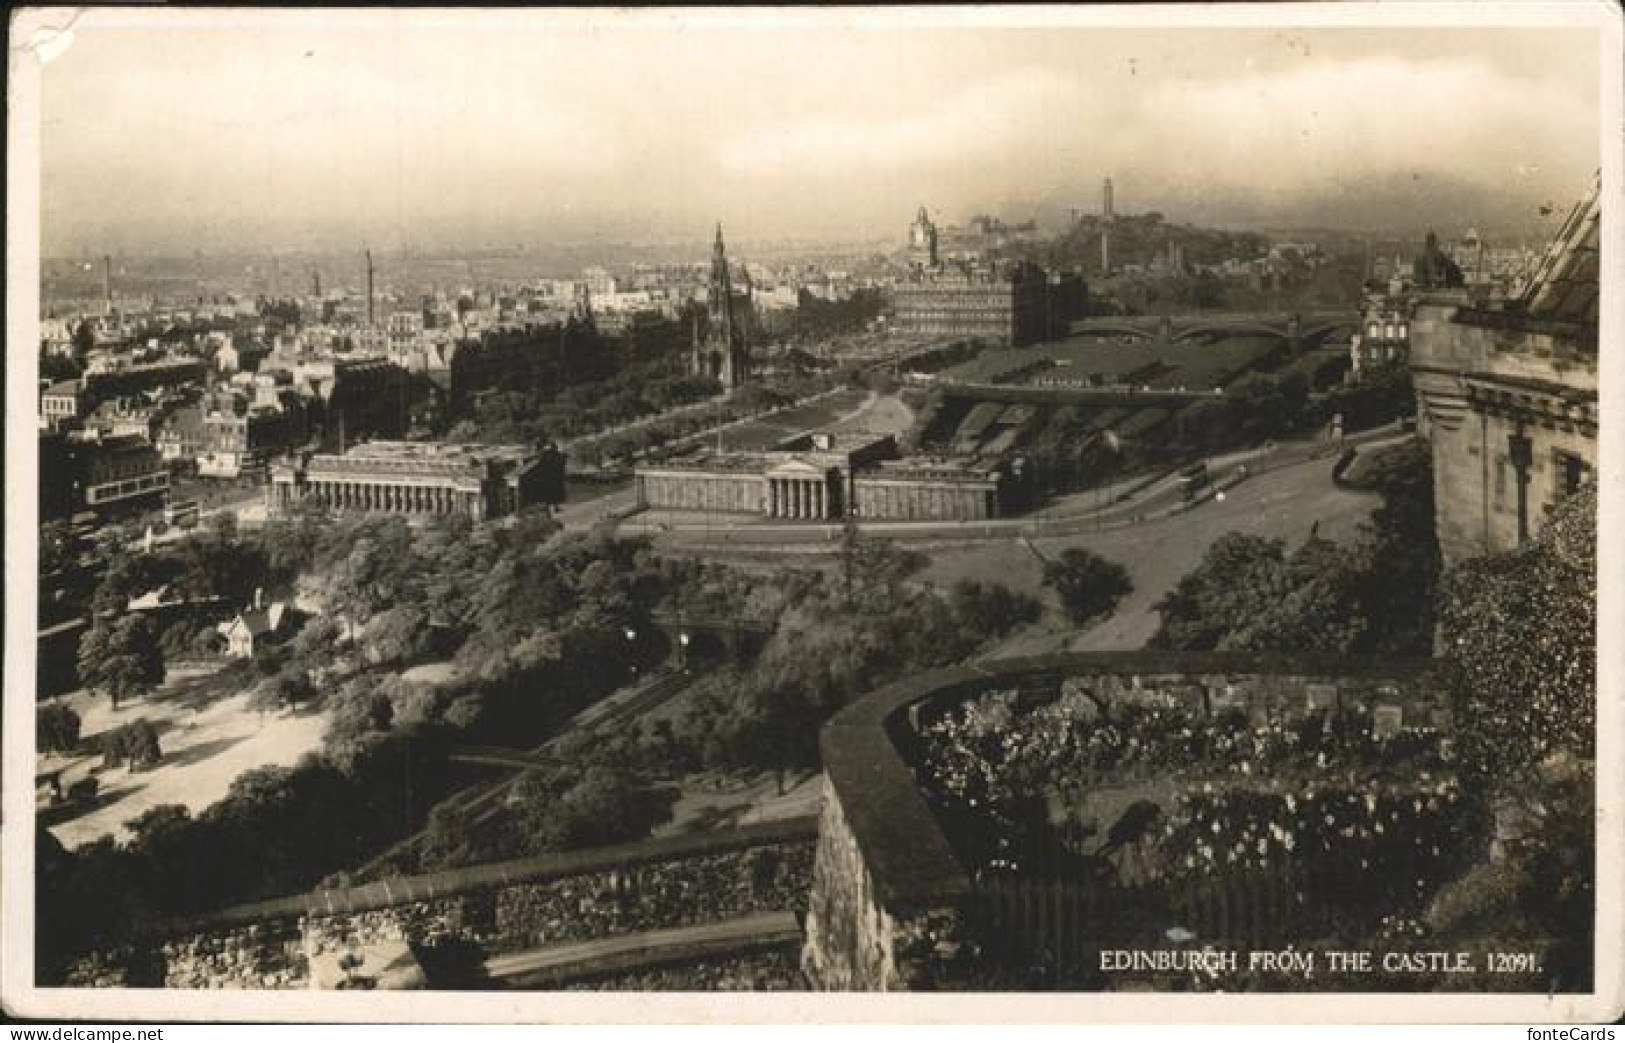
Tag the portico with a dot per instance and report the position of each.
(799, 490)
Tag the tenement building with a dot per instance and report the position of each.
(822, 478)
(1006, 304)
(1385, 334)
(415, 479)
(1508, 395)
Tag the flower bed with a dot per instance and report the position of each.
(1190, 797)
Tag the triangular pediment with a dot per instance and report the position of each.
(796, 467)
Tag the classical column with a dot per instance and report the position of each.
(772, 498)
(819, 506)
(801, 499)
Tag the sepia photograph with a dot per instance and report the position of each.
(570, 507)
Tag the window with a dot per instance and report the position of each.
(1571, 473)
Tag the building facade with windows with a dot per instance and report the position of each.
(1508, 395)
(1384, 338)
(821, 478)
(1010, 305)
(117, 475)
(419, 479)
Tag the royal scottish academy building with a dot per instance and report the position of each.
(421, 479)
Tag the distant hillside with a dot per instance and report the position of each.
(1138, 239)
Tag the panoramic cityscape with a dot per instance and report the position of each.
(602, 507)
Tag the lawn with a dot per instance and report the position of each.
(208, 735)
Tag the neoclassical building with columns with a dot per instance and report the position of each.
(416, 479)
(822, 478)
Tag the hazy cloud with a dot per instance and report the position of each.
(511, 128)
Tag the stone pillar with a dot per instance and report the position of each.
(820, 506)
(772, 498)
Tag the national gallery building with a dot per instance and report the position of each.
(822, 478)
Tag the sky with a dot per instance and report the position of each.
(294, 134)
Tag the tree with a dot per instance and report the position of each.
(288, 687)
(448, 839)
(992, 610)
(605, 806)
(84, 340)
(1087, 584)
(56, 728)
(56, 367)
(56, 544)
(122, 658)
(135, 744)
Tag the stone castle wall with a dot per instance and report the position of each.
(707, 879)
(1481, 381)
(892, 907)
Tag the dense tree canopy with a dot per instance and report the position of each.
(1088, 585)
